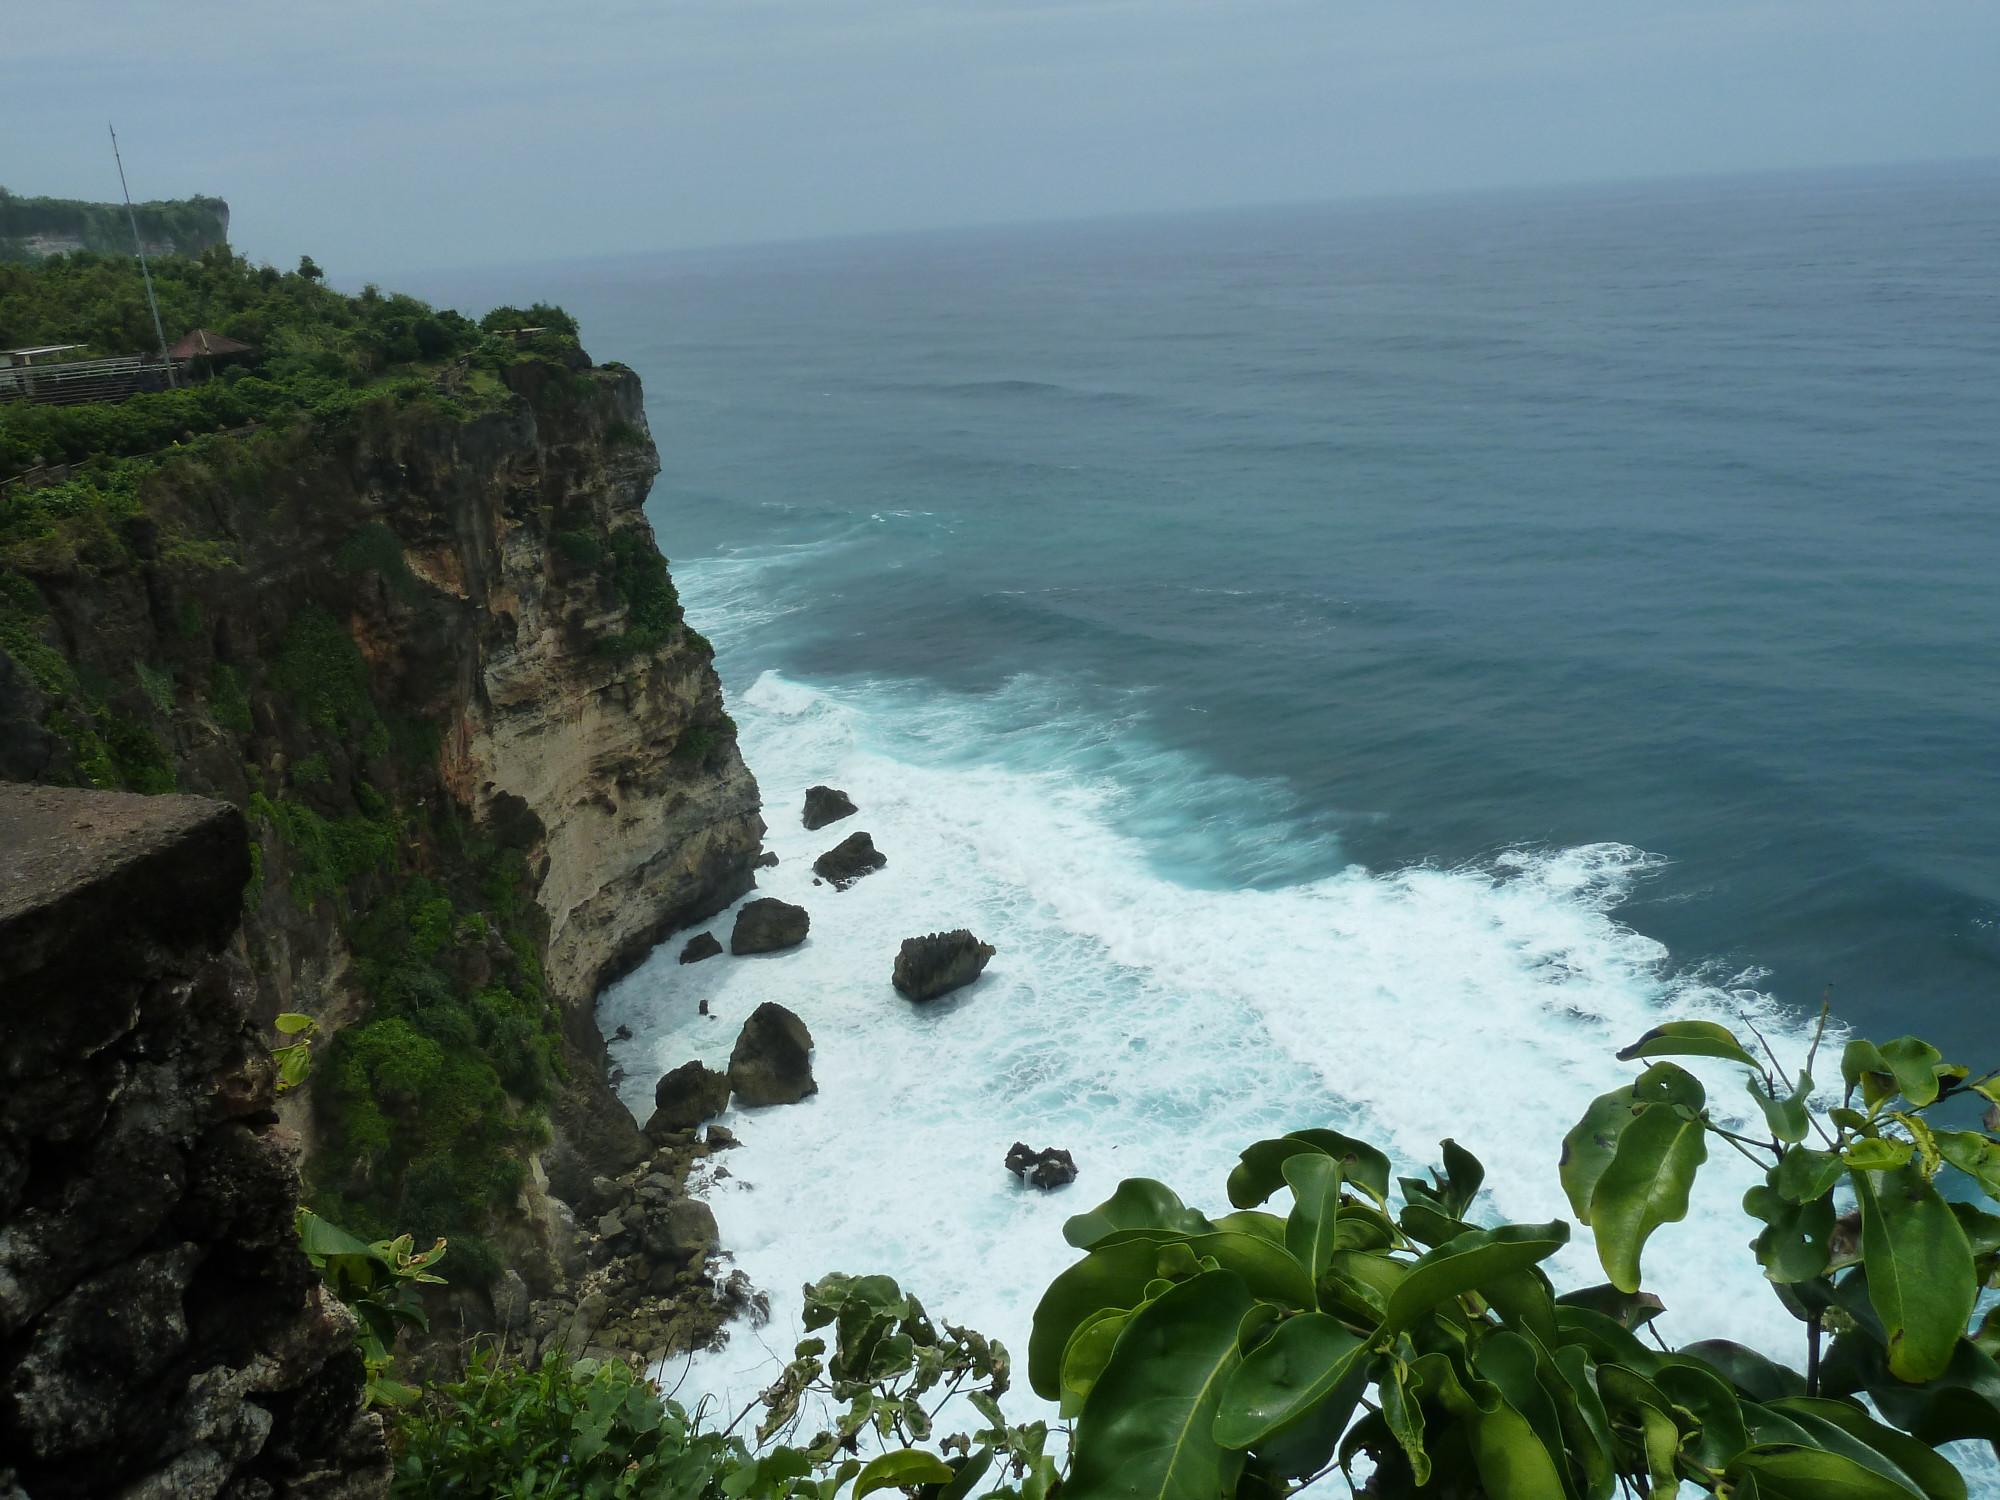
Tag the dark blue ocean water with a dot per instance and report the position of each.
(1360, 665)
(1665, 516)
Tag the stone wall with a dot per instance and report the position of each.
(160, 1332)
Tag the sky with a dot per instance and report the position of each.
(379, 135)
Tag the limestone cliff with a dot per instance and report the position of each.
(433, 652)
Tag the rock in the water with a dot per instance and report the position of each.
(1051, 1168)
(701, 945)
(939, 963)
(850, 859)
(772, 1061)
(721, 1138)
(768, 860)
(768, 924)
(687, 1096)
(825, 804)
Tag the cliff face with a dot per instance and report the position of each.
(160, 1331)
(435, 655)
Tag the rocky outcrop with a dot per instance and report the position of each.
(686, 1097)
(772, 1060)
(848, 860)
(825, 804)
(701, 945)
(939, 963)
(160, 1331)
(767, 925)
(1046, 1169)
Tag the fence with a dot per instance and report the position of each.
(79, 380)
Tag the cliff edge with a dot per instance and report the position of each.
(428, 646)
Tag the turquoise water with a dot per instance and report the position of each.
(1358, 663)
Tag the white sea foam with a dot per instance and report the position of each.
(1151, 1027)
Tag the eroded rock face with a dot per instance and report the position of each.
(848, 860)
(160, 1331)
(767, 925)
(772, 1060)
(825, 804)
(939, 963)
(687, 1096)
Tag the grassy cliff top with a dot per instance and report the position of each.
(315, 353)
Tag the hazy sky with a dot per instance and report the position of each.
(418, 133)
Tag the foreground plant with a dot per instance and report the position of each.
(378, 1283)
(1251, 1354)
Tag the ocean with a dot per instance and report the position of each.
(1359, 664)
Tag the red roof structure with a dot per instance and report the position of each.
(202, 342)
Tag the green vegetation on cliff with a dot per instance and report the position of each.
(30, 227)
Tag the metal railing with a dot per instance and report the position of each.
(76, 381)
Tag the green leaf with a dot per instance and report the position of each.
(1508, 1361)
(291, 1023)
(1976, 1155)
(1360, 1162)
(1861, 1062)
(1608, 1341)
(1113, 1277)
(1463, 1177)
(1271, 1271)
(1088, 1352)
(1309, 1359)
(1251, 1221)
(1920, 1276)
(1627, 1309)
(1784, 1471)
(1689, 1039)
(1915, 1065)
(1756, 1376)
(1788, 1118)
(1915, 1462)
(1429, 1225)
(1590, 1443)
(903, 1469)
(319, 1238)
(1793, 1245)
(1513, 1463)
(1645, 1186)
(1871, 1154)
(1472, 1260)
(1148, 1428)
(1804, 1174)
(1712, 1400)
(1310, 1231)
(1590, 1145)
(1139, 1203)
(1404, 1415)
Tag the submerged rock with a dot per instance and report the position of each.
(685, 1097)
(772, 1060)
(1045, 1169)
(768, 924)
(701, 945)
(939, 963)
(825, 804)
(850, 859)
(768, 860)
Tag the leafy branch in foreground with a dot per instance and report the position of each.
(1250, 1355)
(379, 1284)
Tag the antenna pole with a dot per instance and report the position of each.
(139, 245)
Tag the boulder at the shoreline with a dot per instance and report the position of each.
(939, 963)
(687, 1096)
(701, 945)
(768, 924)
(772, 1060)
(848, 860)
(825, 804)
